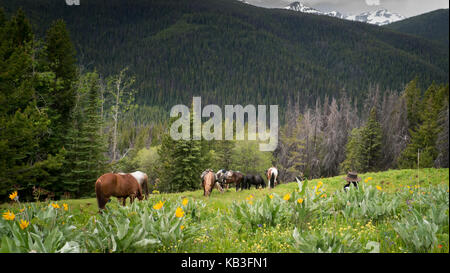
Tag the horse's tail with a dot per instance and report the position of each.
(272, 181)
(100, 197)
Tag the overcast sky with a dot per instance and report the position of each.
(406, 8)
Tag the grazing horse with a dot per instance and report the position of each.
(142, 179)
(272, 175)
(117, 185)
(216, 183)
(256, 180)
(208, 182)
(220, 177)
(235, 177)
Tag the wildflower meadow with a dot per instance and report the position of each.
(390, 212)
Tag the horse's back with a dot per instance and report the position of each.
(141, 177)
(106, 184)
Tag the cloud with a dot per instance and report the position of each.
(373, 2)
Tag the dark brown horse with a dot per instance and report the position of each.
(235, 177)
(117, 185)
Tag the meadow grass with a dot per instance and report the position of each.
(220, 230)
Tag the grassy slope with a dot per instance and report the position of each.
(218, 235)
(390, 181)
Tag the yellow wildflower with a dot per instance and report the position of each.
(24, 224)
(411, 192)
(56, 206)
(9, 215)
(13, 195)
(300, 200)
(66, 207)
(366, 180)
(370, 178)
(179, 212)
(185, 201)
(287, 196)
(159, 205)
(271, 196)
(323, 195)
(378, 188)
(319, 184)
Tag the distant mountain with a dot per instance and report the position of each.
(432, 25)
(379, 17)
(231, 53)
(297, 6)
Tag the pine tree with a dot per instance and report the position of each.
(371, 139)
(413, 97)
(59, 57)
(353, 156)
(424, 138)
(85, 158)
(180, 162)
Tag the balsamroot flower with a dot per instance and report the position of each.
(378, 188)
(185, 202)
(287, 196)
(319, 184)
(66, 207)
(13, 196)
(9, 215)
(182, 227)
(271, 196)
(179, 212)
(24, 224)
(56, 206)
(300, 200)
(159, 205)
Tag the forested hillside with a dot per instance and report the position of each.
(232, 53)
(432, 25)
(90, 93)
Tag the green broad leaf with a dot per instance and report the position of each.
(146, 242)
(114, 244)
(70, 247)
(373, 247)
(8, 245)
(38, 243)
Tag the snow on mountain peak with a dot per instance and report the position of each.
(378, 17)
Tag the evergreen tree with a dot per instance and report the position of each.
(59, 57)
(180, 162)
(413, 97)
(85, 158)
(353, 156)
(371, 139)
(423, 139)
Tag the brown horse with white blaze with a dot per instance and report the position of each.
(117, 185)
